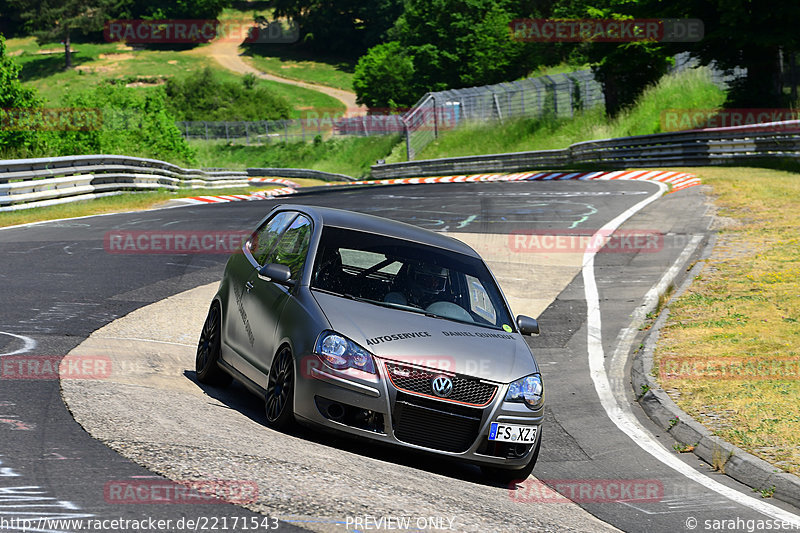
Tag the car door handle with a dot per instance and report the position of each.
(248, 285)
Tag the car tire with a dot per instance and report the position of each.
(206, 362)
(279, 397)
(506, 476)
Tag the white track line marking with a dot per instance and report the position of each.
(621, 414)
(28, 344)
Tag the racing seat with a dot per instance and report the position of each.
(399, 287)
(396, 297)
(330, 275)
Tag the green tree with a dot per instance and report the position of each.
(384, 77)
(443, 44)
(51, 20)
(747, 34)
(17, 133)
(345, 27)
(10, 22)
(459, 43)
(179, 9)
(623, 69)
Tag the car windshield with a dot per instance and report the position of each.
(409, 276)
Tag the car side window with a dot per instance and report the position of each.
(292, 248)
(264, 238)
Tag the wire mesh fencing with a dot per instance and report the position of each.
(559, 95)
(298, 130)
(258, 132)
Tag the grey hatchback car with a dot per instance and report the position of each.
(381, 330)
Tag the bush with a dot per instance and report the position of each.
(134, 122)
(384, 76)
(14, 97)
(204, 97)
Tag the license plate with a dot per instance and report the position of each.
(510, 433)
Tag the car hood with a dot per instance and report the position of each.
(417, 339)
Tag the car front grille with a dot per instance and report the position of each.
(435, 425)
(415, 380)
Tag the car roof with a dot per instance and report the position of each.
(340, 218)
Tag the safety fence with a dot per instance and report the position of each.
(26, 183)
(287, 131)
(752, 144)
(559, 95)
(47, 181)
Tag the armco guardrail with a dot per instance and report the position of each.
(298, 173)
(472, 164)
(27, 183)
(716, 146)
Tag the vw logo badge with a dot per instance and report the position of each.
(442, 386)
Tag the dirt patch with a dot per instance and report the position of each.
(117, 56)
(147, 83)
(96, 69)
(51, 51)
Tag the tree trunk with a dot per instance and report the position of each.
(67, 51)
(611, 94)
(762, 86)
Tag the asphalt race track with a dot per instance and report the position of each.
(60, 284)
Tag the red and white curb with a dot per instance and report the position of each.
(678, 181)
(279, 181)
(289, 188)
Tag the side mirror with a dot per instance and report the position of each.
(277, 273)
(527, 325)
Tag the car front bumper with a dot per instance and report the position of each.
(376, 409)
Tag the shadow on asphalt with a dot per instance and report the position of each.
(237, 397)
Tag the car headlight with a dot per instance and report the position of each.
(340, 352)
(528, 390)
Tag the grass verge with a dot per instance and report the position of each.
(730, 352)
(291, 62)
(345, 155)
